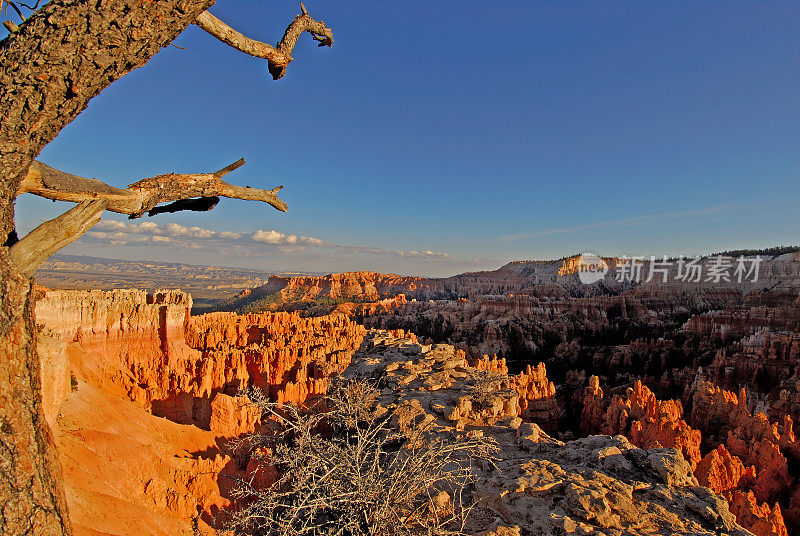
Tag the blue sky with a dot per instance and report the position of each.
(435, 138)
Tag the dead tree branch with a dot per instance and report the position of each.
(279, 57)
(183, 191)
(30, 252)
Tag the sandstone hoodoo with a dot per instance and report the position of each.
(149, 349)
(746, 457)
(343, 287)
(143, 397)
(538, 484)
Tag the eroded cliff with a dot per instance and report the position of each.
(142, 397)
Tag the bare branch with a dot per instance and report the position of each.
(279, 56)
(179, 189)
(176, 186)
(15, 8)
(227, 169)
(33, 7)
(240, 42)
(30, 252)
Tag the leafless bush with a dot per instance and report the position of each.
(343, 471)
(485, 385)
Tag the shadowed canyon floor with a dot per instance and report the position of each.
(692, 391)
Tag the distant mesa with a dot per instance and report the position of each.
(520, 278)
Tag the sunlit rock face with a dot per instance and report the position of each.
(353, 286)
(149, 349)
(647, 421)
(166, 475)
(142, 398)
(526, 277)
(747, 458)
(537, 484)
(539, 279)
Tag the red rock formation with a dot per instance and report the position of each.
(717, 411)
(403, 334)
(490, 364)
(752, 438)
(121, 339)
(117, 361)
(720, 471)
(571, 265)
(521, 326)
(747, 466)
(55, 376)
(650, 423)
(519, 277)
(593, 408)
(760, 445)
(288, 356)
(360, 310)
(356, 286)
(759, 519)
(150, 350)
(537, 400)
(129, 472)
(772, 477)
(233, 416)
(537, 397)
(189, 369)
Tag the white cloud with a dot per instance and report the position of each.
(146, 227)
(199, 232)
(311, 241)
(175, 229)
(268, 237)
(120, 233)
(427, 254)
(281, 239)
(110, 225)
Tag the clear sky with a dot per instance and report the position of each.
(439, 137)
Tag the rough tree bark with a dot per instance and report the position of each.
(51, 65)
(50, 68)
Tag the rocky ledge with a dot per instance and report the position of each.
(538, 485)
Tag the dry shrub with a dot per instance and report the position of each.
(485, 385)
(343, 470)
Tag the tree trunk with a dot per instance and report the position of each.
(58, 59)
